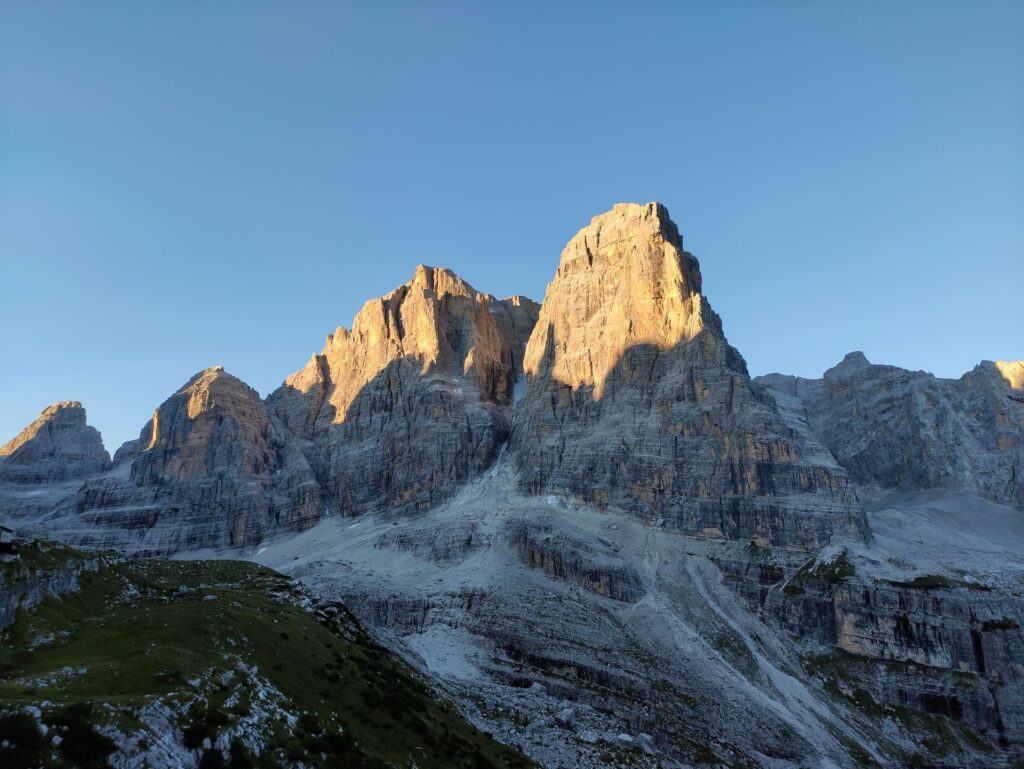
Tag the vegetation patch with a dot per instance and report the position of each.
(839, 569)
(939, 732)
(233, 650)
(938, 582)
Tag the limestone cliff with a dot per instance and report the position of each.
(212, 468)
(636, 400)
(894, 429)
(58, 446)
(395, 413)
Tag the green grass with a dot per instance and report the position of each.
(839, 569)
(843, 675)
(139, 637)
(938, 582)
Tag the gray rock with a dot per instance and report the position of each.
(56, 447)
(894, 429)
(646, 743)
(212, 468)
(396, 413)
(637, 401)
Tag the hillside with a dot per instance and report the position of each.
(206, 663)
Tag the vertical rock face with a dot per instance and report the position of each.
(638, 402)
(58, 446)
(215, 424)
(909, 430)
(212, 468)
(396, 412)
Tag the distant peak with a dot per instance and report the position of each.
(206, 376)
(58, 435)
(62, 412)
(853, 360)
(856, 357)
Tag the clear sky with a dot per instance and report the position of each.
(187, 184)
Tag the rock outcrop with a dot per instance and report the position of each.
(58, 446)
(894, 429)
(395, 413)
(636, 401)
(926, 623)
(212, 468)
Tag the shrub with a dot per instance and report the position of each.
(26, 743)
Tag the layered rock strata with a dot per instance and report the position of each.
(212, 468)
(637, 402)
(894, 429)
(58, 446)
(413, 401)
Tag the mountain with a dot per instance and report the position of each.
(212, 468)
(586, 525)
(414, 400)
(58, 446)
(899, 430)
(636, 400)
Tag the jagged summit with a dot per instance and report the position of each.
(623, 281)
(894, 429)
(396, 412)
(436, 320)
(214, 423)
(852, 361)
(58, 445)
(212, 468)
(70, 411)
(636, 400)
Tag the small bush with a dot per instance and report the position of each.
(26, 743)
(82, 745)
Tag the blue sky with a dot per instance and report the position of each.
(188, 184)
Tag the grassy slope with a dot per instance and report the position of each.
(140, 637)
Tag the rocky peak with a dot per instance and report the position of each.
(897, 429)
(412, 401)
(212, 468)
(851, 363)
(623, 281)
(438, 322)
(58, 445)
(214, 423)
(637, 401)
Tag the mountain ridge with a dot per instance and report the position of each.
(588, 519)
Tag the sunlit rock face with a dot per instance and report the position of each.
(212, 468)
(636, 400)
(395, 413)
(58, 446)
(894, 429)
